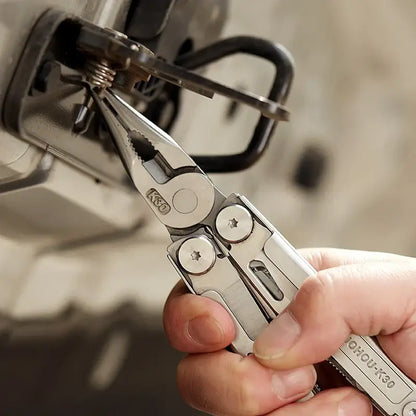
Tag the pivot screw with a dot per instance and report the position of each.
(234, 223)
(410, 409)
(197, 255)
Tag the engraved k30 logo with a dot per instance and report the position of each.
(158, 201)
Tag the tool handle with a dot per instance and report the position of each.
(360, 359)
(254, 272)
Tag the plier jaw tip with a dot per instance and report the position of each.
(177, 191)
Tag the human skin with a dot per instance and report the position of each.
(364, 293)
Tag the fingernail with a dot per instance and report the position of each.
(277, 338)
(355, 405)
(205, 330)
(293, 383)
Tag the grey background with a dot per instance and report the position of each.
(354, 95)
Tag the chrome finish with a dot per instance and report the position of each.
(197, 255)
(160, 176)
(234, 223)
(226, 250)
(410, 409)
(223, 284)
(185, 201)
(243, 343)
(360, 359)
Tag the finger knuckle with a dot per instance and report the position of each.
(245, 394)
(315, 288)
(315, 257)
(324, 282)
(316, 294)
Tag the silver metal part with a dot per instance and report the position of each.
(272, 271)
(360, 359)
(244, 340)
(223, 284)
(264, 275)
(197, 255)
(258, 273)
(172, 185)
(234, 223)
(185, 201)
(410, 409)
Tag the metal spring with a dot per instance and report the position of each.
(99, 73)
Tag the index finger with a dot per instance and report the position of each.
(327, 258)
(196, 324)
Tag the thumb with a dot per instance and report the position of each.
(363, 299)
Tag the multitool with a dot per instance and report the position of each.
(225, 249)
(222, 247)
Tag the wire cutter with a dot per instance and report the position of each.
(225, 249)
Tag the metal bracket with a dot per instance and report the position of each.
(48, 88)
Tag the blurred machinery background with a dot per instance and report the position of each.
(83, 273)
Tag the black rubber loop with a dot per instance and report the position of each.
(283, 63)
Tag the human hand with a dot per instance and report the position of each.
(353, 292)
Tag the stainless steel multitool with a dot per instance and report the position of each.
(223, 248)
